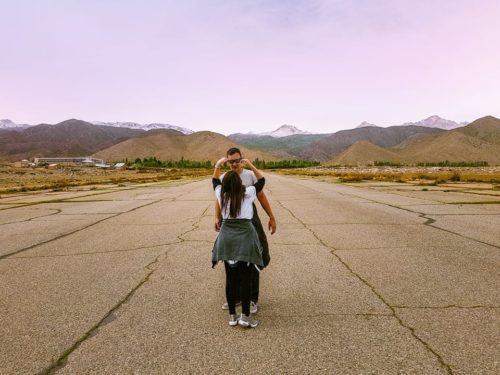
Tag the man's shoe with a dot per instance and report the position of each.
(253, 307)
(233, 319)
(247, 321)
(225, 306)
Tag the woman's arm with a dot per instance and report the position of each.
(217, 168)
(216, 176)
(257, 173)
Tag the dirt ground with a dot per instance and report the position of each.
(484, 180)
(479, 179)
(17, 179)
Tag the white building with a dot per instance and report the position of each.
(86, 160)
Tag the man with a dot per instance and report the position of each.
(248, 178)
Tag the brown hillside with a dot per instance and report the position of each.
(164, 146)
(331, 146)
(364, 152)
(452, 145)
(478, 141)
(68, 138)
(486, 128)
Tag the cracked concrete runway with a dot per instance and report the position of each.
(362, 281)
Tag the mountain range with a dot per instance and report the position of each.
(438, 122)
(68, 138)
(282, 131)
(8, 124)
(324, 147)
(79, 138)
(477, 141)
(152, 126)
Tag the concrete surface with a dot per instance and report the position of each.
(363, 280)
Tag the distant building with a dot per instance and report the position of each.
(80, 160)
(102, 165)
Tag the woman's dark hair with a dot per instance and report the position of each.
(232, 193)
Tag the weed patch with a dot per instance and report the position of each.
(15, 180)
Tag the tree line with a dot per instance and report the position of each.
(444, 163)
(282, 164)
(153, 162)
(447, 163)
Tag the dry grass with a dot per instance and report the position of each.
(423, 176)
(14, 180)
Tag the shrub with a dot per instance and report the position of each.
(447, 163)
(386, 164)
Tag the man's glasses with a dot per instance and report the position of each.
(234, 161)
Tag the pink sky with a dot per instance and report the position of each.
(239, 66)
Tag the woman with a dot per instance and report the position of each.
(237, 244)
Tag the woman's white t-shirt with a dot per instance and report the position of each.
(246, 211)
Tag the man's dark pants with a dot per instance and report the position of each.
(265, 255)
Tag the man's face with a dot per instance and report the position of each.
(234, 161)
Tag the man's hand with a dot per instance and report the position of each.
(272, 225)
(217, 225)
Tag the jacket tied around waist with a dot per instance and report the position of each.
(237, 241)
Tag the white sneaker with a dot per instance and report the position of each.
(253, 307)
(247, 321)
(233, 319)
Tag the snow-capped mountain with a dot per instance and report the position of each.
(8, 124)
(438, 122)
(135, 125)
(284, 131)
(364, 124)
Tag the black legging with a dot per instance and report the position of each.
(254, 277)
(238, 284)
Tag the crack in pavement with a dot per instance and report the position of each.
(74, 231)
(493, 214)
(58, 211)
(447, 307)
(194, 226)
(376, 248)
(110, 316)
(110, 190)
(4, 256)
(365, 223)
(431, 221)
(203, 241)
(99, 252)
(60, 200)
(428, 221)
(374, 291)
(423, 215)
(445, 189)
(322, 315)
